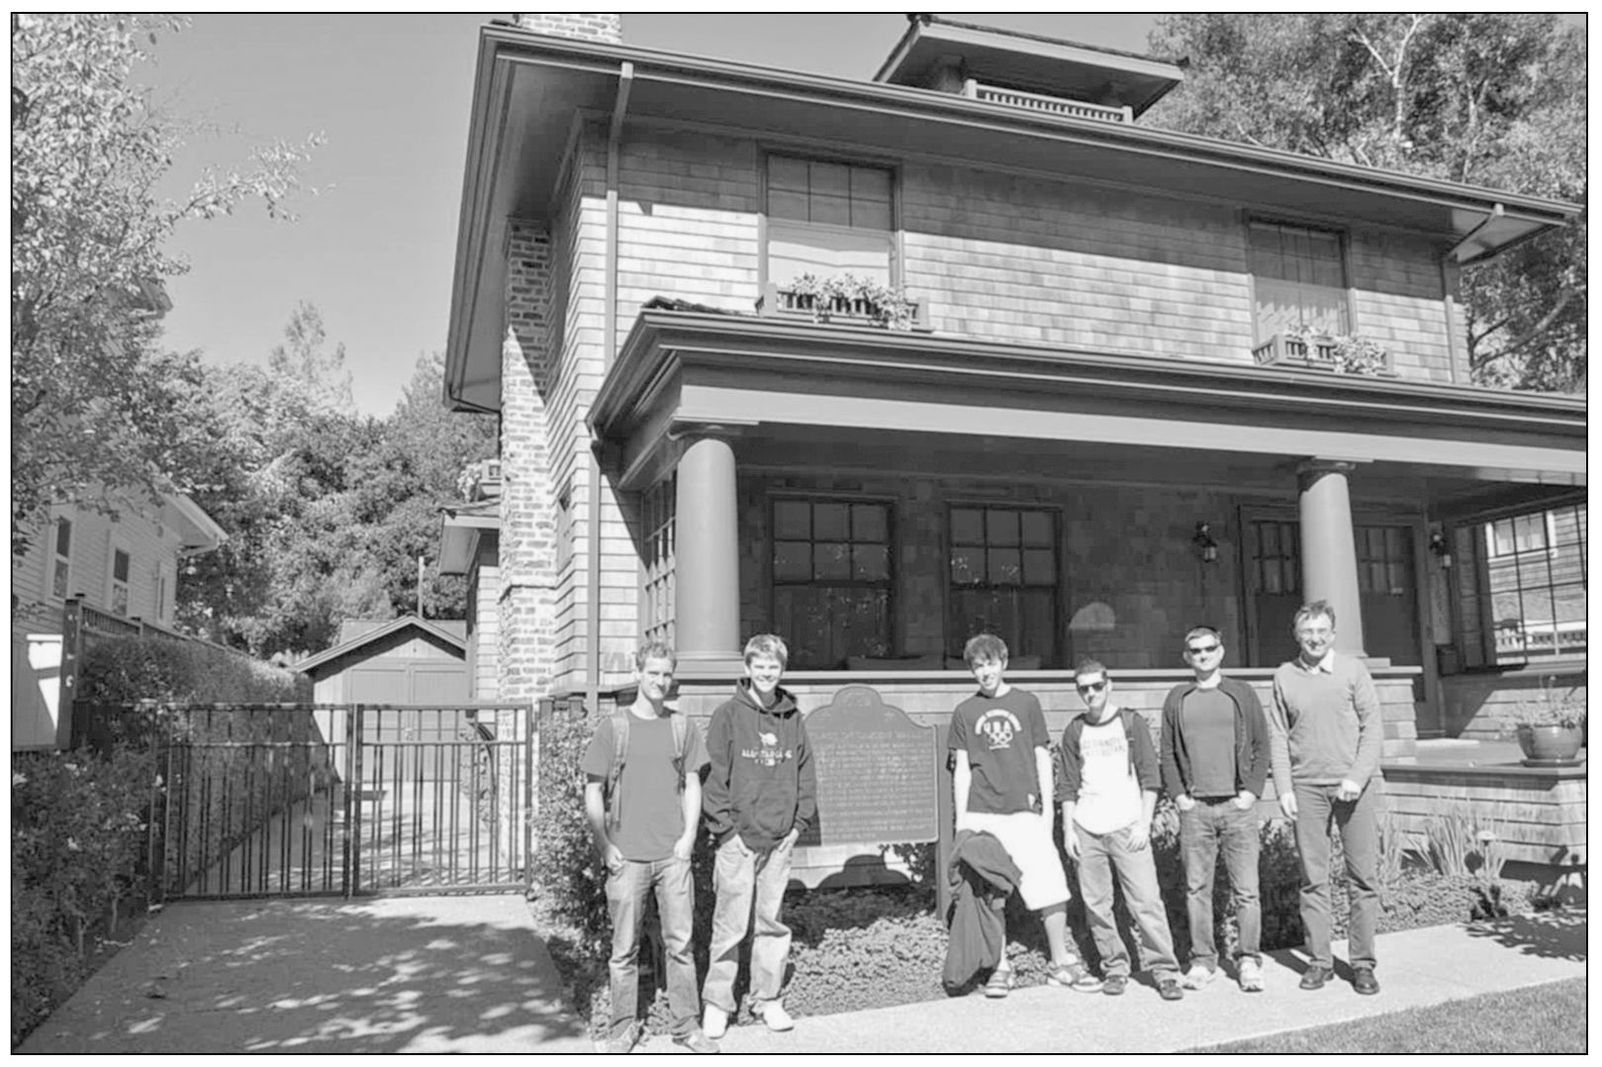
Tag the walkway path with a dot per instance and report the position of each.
(468, 974)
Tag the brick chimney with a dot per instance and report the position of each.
(607, 29)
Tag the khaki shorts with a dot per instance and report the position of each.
(1023, 834)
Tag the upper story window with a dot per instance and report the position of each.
(61, 560)
(121, 567)
(828, 218)
(1299, 280)
(833, 571)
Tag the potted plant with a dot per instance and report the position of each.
(1550, 726)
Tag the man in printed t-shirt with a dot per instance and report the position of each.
(1001, 778)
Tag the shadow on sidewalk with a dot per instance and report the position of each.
(311, 976)
(1549, 934)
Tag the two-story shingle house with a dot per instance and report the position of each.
(1114, 406)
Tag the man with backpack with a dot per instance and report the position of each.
(642, 796)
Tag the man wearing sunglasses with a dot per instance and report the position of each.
(1215, 758)
(1108, 766)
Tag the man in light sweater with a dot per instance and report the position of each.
(1325, 739)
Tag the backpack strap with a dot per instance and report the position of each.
(620, 748)
(681, 738)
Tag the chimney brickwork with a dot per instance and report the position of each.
(528, 551)
(586, 27)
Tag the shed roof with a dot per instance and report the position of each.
(353, 638)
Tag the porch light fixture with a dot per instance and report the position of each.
(1206, 546)
(1441, 548)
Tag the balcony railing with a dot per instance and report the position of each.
(1053, 105)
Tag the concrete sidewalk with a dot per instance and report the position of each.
(467, 974)
(382, 975)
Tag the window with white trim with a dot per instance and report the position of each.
(1298, 280)
(61, 561)
(121, 569)
(828, 218)
(1521, 587)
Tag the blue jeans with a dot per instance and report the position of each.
(1205, 830)
(1099, 855)
(675, 905)
(741, 875)
(1316, 810)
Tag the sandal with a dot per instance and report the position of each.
(1000, 983)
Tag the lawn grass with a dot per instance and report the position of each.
(1547, 1018)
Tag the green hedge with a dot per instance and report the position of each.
(123, 670)
(77, 859)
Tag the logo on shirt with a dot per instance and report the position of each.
(770, 754)
(998, 726)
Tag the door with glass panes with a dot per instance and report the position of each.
(1387, 589)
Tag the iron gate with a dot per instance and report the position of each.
(301, 799)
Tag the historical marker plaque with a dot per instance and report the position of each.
(877, 773)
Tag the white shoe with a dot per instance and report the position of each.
(1198, 977)
(715, 1022)
(776, 1018)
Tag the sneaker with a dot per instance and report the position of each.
(1115, 984)
(1364, 982)
(696, 1041)
(623, 1042)
(775, 1017)
(1168, 987)
(1074, 976)
(1251, 975)
(999, 984)
(1315, 977)
(1198, 977)
(715, 1022)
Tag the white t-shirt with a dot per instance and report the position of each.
(1109, 792)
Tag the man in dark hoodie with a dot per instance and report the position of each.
(760, 795)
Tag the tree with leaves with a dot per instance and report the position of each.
(92, 396)
(326, 511)
(1488, 99)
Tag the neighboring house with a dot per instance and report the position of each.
(122, 570)
(1114, 414)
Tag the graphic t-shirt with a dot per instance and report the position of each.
(1109, 793)
(1207, 718)
(1000, 735)
(647, 801)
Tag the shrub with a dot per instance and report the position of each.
(77, 856)
(124, 670)
(567, 871)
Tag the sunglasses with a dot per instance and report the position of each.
(1202, 650)
(1093, 687)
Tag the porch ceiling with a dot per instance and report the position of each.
(679, 370)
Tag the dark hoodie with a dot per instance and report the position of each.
(761, 783)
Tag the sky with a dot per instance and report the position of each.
(390, 95)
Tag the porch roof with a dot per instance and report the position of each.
(681, 370)
(532, 91)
